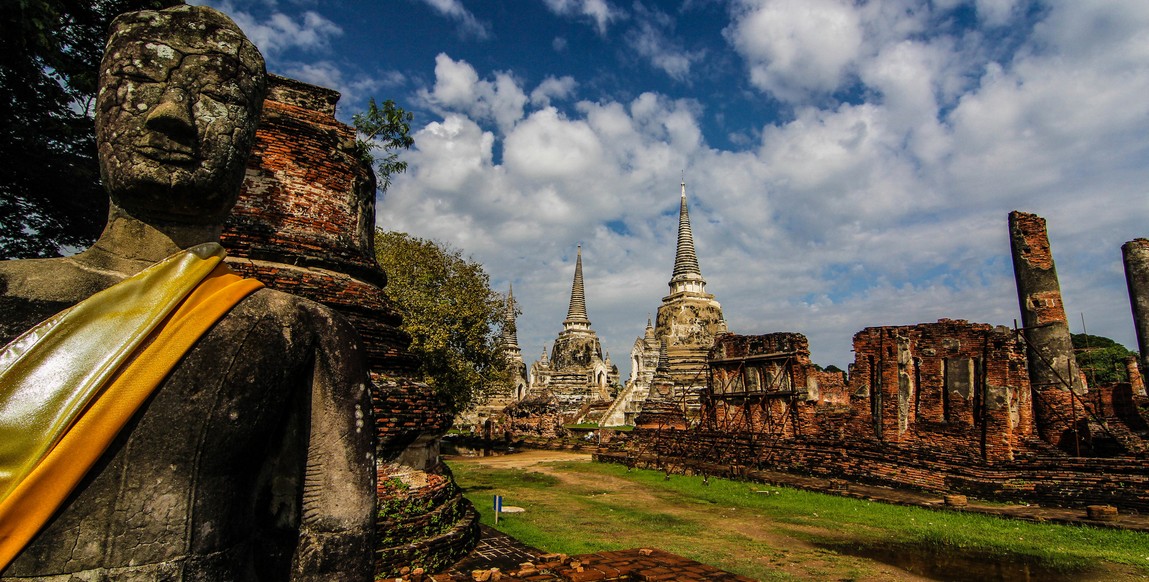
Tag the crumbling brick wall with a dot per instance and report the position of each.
(304, 224)
(943, 406)
(963, 386)
(952, 384)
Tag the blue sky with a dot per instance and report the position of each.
(848, 163)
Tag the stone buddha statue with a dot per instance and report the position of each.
(247, 450)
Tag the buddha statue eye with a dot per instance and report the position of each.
(225, 95)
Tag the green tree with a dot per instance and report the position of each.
(454, 318)
(384, 128)
(1102, 359)
(50, 192)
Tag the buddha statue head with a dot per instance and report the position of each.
(180, 95)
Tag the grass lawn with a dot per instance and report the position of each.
(774, 533)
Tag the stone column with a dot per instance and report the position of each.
(1136, 256)
(1136, 380)
(1052, 368)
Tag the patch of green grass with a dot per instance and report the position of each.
(1063, 548)
(581, 519)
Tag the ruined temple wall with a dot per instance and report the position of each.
(952, 380)
(306, 196)
(1051, 479)
(948, 386)
(767, 384)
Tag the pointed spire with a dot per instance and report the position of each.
(576, 314)
(687, 276)
(510, 329)
(685, 261)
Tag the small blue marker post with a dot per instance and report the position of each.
(498, 507)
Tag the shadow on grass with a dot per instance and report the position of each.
(948, 563)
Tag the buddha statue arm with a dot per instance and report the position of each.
(338, 509)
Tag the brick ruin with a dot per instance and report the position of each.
(304, 224)
(950, 406)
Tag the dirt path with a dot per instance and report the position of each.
(529, 458)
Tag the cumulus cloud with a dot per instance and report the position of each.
(888, 209)
(546, 146)
(458, 88)
(553, 88)
(795, 48)
(997, 12)
(600, 12)
(468, 24)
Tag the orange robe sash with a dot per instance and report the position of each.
(68, 385)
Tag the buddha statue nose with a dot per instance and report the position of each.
(173, 116)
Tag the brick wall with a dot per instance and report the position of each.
(943, 406)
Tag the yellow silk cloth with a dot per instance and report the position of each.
(68, 385)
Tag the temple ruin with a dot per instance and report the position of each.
(951, 406)
(576, 375)
(688, 320)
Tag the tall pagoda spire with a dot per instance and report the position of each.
(687, 276)
(576, 314)
(510, 331)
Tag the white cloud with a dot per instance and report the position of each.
(601, 12)
(279, 32)
(889, 209)
(469, 25)
(553, 88)
(450, 154)
(997, 12)
(795, 48)
(458, 88)
(651, 38)
(545, 146)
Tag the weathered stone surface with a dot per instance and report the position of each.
(254, 458)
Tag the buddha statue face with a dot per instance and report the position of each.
(180, 95)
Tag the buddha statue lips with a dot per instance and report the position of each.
(166, 150)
